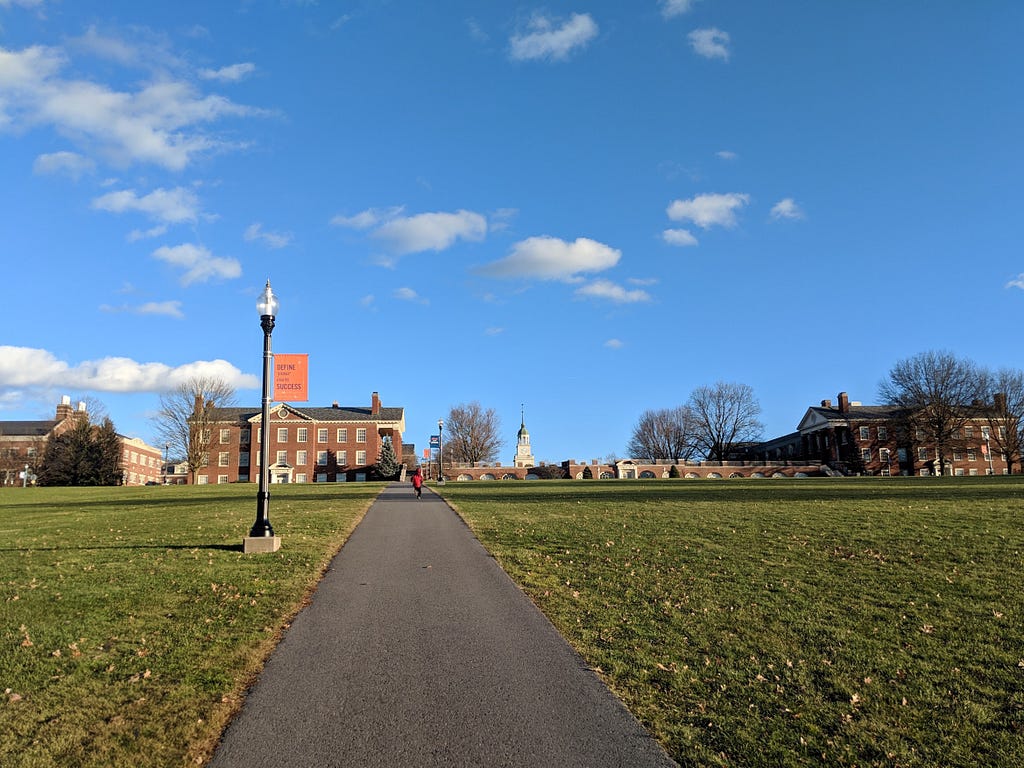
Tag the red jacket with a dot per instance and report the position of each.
(417, 480)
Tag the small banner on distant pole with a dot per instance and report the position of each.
(426, 453)
(291, 378)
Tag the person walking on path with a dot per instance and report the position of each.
(417, 483)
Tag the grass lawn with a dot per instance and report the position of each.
(785, 622)
(131, 621)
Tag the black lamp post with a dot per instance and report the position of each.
(267, 306)
(440, 451)
(167, 447)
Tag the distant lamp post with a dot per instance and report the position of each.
(261, 538)
(167, 447)
(440, 452)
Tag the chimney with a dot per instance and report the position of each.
(826, 403)
(64, 410)
(844, 402)
(334, 404)
(1000, 402)
(375, 404)
(198, 406)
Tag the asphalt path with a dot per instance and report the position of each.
(418, 650)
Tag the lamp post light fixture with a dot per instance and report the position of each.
(167, 447)
(261, 537)
(440, 452)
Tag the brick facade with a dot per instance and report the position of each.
(307, 445)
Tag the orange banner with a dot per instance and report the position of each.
(291, 377)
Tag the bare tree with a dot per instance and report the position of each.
(937, 393)
(1005, 414)
(724, 415)
(185, 419)
(472, 434)
(663, 434)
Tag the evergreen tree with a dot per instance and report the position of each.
(387, 464)
(83, 455)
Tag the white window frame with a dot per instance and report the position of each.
(343, 435)
(864, 433)
(342, 458)
(225, 436)
(361, 435)
(321, 435)
(321, 458)
(301, 458)
(282, 434)
(302, 435)
(360, 458)
(883, 433)
(282, 457)
(223, 459)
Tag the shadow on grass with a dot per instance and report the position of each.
(222, 547)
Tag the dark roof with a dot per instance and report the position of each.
(27, 428)
(330, 413)
(860, 412)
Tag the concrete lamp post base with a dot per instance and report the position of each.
(261, 544)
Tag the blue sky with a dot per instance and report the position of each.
(590, 208)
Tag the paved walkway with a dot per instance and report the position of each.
(417, 650)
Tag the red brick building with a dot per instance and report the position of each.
(307, 444)
(852, 438)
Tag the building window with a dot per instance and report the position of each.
(321, 477)
(972, 472)
(971, 455)
(245, 435)
(243, 459)
(223, 459)
(958, 455)
(202, 480)
(922, 454)
(282, 457)
(300, 477)
(883, 455)
(984, 433)
(958, 472)
(225, 436)
(968, 432)
(301, 458)
(302, 434)
(321, 435)
(1002, 433)
(361, 458)
(342, 457)
(361, 435)
(883, 433)
(282, 434)
(222, 479)
(865, 433)
(321, 458)
(956, 434)
(865, 455)
(343, 435)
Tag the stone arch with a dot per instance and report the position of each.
(691, 476)
(487, 476)
(647, 475)
(735, 474)
(757, 474)
(509, 476)
(778, 474)
(713, 476)
(532, 476)
(607, 475)
(464, 477)
(801, 474)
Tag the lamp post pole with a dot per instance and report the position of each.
(267, 306)
(440, 451)
(167, 447)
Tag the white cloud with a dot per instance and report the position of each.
(160, 123)
(408, 294)
(147, 234)
(606, 289)
(726, 154)
(708, 210)
(614, 344)
(230, 74)
(680, 237)
(199, 264)
(431, 231)
(710, 43)
(1016, 283)
(171, 206)
(494, 331)
(69, 164)
(367, 219)
(270, 239)
(168, 308)
(29, 367)
(548, 258)
(670, 8)
(787, 209)
(544, 40)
